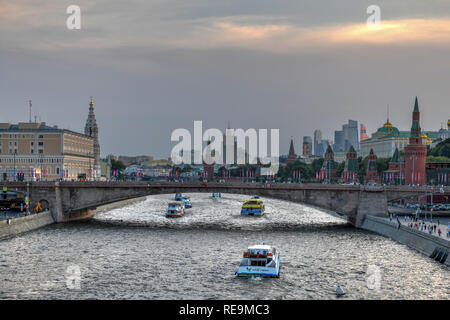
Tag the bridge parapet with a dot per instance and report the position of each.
(69, 200)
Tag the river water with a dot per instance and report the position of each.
(135, 252)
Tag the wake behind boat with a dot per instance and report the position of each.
(260, 260)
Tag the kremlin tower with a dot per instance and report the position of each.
(292, 157)
(350, 173)
(415, 152)
(372, 172)
(329, 165)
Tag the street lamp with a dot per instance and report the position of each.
(15, 174)
(41, 160)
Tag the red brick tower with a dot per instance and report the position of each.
(415, 152)
(372, 175)
(292, 157)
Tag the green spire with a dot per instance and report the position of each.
(351, 150)
(416, 106)
(396, 156)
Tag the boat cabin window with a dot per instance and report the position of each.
(258, 263)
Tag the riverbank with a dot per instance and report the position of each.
(409, 212)
(17, 225)
(415, 239)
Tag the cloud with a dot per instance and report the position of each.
(289, 38)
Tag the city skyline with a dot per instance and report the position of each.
(257, 67)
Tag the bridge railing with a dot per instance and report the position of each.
(285, 186)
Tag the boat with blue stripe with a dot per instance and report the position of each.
(260, 261)
(253, 207)
(186, 200)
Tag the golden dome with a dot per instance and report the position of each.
(424, 136)
(91, 103)
(388, 124)
(448, 123)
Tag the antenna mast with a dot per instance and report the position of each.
(30, 109)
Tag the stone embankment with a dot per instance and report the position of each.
(432, 246)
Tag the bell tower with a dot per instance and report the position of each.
(91, 130)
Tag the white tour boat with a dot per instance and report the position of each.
(260, 260)
(176, 209)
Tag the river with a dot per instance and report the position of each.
(135, 252)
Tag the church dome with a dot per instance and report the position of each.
(448, 123)
(387, 124)
(387, 129)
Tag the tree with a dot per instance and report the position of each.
(340, 168)
(437, 159)
(382, 164)
(442, 149)
(317, 164)
(118, 166)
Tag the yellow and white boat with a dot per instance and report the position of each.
(253, 207)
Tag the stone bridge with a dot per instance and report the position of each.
(70, 201)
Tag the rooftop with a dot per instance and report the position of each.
(28, 126)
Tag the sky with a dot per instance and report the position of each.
(153, 66)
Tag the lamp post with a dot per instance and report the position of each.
(41, 160)
(15, 174)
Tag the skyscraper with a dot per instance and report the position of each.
(307, 146)
(352, 134)
(346, 137)
(338, 140)
(317, 143)
(363, 132)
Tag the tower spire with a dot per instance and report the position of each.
(91, 130)
(388, 112)
(416, 132)
(416, 106)
(30, 104)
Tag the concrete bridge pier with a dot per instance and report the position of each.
(57, 210)
(372, 204)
